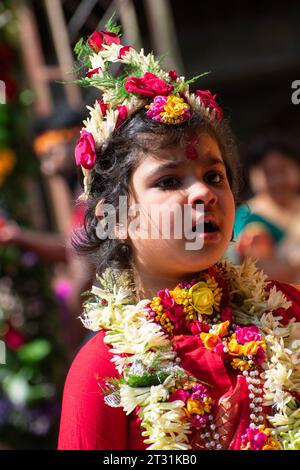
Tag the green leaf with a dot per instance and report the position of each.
(111, 26)
(147, 379)
(34, 351)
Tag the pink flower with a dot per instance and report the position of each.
(260, 356)
(85, 150)
(90, 73)
(123, 51)
(180, 394)
(199, 392)
(98, 38)
(198, 421)
(255, 437)
(167, 300)
(175, 313)
(103, 107)
(173, 74)
(196, 327)
(149, 85)
(247, 334)
(157, 107)
(122, 115)
(209, 101)
(219, 349)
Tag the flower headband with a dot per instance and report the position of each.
(142, 84)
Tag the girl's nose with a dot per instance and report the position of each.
(200, 193)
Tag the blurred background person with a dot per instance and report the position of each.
(267, 226)
(54, 143)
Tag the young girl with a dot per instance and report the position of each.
(192, 352)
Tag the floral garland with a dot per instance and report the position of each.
(141, 83)
(230, 308)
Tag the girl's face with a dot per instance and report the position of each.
(171, 180)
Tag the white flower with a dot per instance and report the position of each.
(110, 52)
(137, 337)
(96, 61)
(133, 397)
(158, 393)
(166, 427)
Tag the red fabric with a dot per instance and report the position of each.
(87, 423)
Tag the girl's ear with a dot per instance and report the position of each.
(108, 221)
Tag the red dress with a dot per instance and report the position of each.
(87, 423)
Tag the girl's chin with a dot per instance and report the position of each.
(207, 255)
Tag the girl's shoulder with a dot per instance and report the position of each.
(92, 361)
(87, 423)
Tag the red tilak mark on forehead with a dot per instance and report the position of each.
(190, 149)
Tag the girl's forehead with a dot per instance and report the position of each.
(203, 147)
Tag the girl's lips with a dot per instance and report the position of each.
(212, 236)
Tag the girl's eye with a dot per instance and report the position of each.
(170, 182)
(215, 177)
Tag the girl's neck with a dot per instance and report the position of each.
(147, 284)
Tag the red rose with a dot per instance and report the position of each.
(173, 74)
(148, 85)
(208, 100)
(90, 73)
(103, 107)
(123, 51)
(196, 327)
(96, 40)
(122, 115)
(85, 151)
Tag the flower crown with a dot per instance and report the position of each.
(141, 84)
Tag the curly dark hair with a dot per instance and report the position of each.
(137, 137)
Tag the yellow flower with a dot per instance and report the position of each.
(194, 407)
(179, 295)
(209, 340)
(252, 346)
(174, 110)
(217, 291)
(208, 401)
(234, 348)
(221, 329)
(202, 298)
(271, 444)
(197, 408)
(240, 364)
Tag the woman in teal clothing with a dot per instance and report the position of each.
(267, 226)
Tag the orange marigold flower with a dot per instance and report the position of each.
(221, 329)
(234, 348)
(252, 347)
(210, 340)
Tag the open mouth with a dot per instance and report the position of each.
(208, 227)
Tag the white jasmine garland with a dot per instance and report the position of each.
(130, 331)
